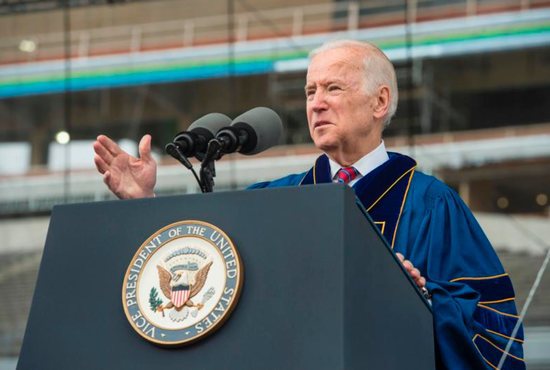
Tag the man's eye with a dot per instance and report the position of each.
(334, 88)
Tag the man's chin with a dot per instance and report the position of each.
(325, 145)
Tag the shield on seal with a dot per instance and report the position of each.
(179, 295)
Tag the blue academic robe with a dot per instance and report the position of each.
(472, 296)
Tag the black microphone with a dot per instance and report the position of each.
(252, 132)
(194, 141)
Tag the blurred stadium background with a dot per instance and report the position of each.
(474, 110)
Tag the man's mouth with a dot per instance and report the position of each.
(321, 124)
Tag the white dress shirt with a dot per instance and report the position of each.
(364, 165)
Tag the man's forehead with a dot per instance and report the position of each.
(333, 70)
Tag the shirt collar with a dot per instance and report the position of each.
(366, 164)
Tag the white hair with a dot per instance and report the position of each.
(377, 67)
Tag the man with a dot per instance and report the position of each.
(351, 95)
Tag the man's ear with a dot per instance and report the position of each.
(382, 103)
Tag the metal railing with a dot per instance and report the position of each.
(251, 25)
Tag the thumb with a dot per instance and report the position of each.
(145, 148)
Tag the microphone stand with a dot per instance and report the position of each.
(208, 169)
(176, 153)
(227, 140)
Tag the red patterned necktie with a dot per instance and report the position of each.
(346, 174)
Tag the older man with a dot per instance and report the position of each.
(351, 95)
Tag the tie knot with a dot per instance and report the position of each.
(346, 174)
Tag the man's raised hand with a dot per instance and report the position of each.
(126, 176)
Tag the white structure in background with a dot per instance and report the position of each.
(39, 193)
(79, 154)
(459, 154)
(15, 158)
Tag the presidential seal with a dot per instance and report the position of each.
(182, 283)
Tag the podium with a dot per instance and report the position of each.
(322, 289)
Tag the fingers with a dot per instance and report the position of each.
(408, 266)
(101, 150)
(145, 148)
(109, 181)
(100, 164)
(109, 145)
(415, 274)
(421, 282)
(107, 178)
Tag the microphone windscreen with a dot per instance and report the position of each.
(207, 126)
(263, 126)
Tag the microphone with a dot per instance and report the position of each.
(250, 133)
(194, 141)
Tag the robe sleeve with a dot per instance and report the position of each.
(290, 180)
(472, 297)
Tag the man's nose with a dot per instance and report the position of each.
(318, 102)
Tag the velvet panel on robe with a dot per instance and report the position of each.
(422, 218)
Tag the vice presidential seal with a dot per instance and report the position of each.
(182, 283)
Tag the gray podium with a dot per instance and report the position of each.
(321, 288)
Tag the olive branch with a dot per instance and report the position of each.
(154, 300)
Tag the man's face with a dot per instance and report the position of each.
(339, 111)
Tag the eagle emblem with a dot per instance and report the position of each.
(181, 278)
(182, 283)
